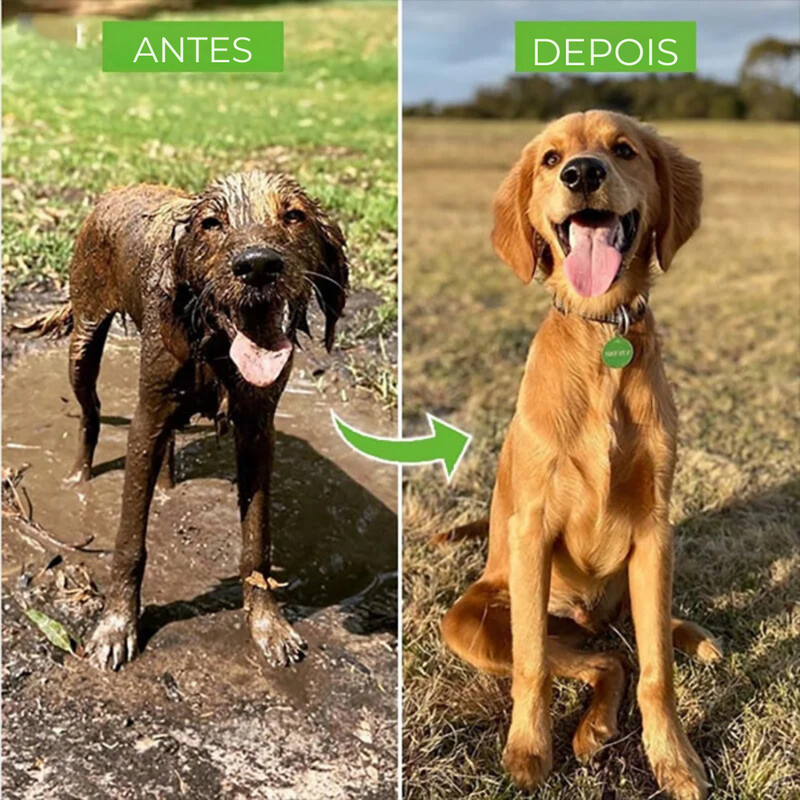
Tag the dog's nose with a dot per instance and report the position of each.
(258, 266)
(583, 175)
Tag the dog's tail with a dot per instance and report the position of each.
(479, 529)
(55, 325)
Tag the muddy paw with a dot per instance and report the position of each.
(679, 772)
(593, 732)
(114, 641)
(526, 768)
(281, 645)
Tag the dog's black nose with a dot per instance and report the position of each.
(258, 266)
(583, 175)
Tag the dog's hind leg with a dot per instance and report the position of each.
(695, 641)
(478, 628)
(85, 353)
(605, 673)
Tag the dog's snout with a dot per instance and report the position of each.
(584, 175)
(258, 266)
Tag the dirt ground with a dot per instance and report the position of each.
(198, 714)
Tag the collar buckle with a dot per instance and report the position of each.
(623, 319)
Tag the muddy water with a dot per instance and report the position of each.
(198, 713)
(334, 524)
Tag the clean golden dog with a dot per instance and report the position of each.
(579, 525)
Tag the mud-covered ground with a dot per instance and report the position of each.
(198, 714)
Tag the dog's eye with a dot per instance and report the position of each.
(209, 223)
(551, 158)
(623, 150)
(294, 215)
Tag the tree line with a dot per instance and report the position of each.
(767, 89)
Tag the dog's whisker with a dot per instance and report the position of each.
(325, 278)
(317, 292)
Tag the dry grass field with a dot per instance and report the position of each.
(729, 314)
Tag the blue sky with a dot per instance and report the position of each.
(452, 46)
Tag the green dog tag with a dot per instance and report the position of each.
(617, 353)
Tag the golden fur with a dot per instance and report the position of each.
(579, 529)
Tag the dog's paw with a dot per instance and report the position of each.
(593, 732)
(678, 769)
(696, 641)
(114, 641)
(527, 768)
(709, 651)
(280, 644)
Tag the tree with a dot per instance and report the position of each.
(770, 78)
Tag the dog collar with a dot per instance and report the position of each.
(622, 317)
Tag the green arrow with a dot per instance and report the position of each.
(448, 445)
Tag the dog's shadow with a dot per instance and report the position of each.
(336, 540)
(747, 552)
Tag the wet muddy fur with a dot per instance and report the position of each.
(238, 262)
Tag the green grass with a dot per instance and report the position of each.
(728, 314)
(71, 131)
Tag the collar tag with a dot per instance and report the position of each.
(618, 352)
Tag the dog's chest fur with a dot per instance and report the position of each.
(605, 480)
(602, 447)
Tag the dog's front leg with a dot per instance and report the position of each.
(677, 767)
(115, 639)
(528, 754)
(277, 640)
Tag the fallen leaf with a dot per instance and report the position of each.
(363, 732)
(55, 632)
(260, 582)
(256, 579)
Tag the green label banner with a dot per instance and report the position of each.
(606, 46)
(192, 46)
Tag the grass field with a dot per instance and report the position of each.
(70, 131)
(728, 313)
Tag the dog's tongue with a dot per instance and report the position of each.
(259, 366)
(593, 260)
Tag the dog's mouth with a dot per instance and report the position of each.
(261, 343)
(594, 244)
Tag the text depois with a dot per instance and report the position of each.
(603, 46)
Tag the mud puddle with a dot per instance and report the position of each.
(198, 714)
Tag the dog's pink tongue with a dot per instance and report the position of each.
(593, 260)
(259, 366)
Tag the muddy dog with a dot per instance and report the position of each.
(579, 528)
(218, 284)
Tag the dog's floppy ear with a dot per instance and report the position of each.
(179, 230)
(681, 188)
(513, 235)
(331, 278)
(170, 224)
